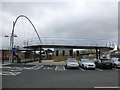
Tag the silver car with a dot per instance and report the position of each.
(116, 62)
(72, 63)
(87, 63)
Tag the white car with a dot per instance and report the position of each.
(116, 62)
(87, 63)
(72, 63)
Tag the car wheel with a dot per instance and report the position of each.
(101, 66)
(115, 66)
(111, 67)
(66, 66)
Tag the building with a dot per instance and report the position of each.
(64, 53)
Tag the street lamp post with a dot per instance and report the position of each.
(11, 46)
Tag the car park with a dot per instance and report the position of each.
(103, 63)
(72, 63)
(87, 63)
(116, 62)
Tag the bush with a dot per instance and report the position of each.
(58, 60)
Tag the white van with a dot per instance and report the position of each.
(116, 62)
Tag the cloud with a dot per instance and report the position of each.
(93, 20)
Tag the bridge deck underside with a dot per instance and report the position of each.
(65, 46)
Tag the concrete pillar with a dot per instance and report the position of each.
(57, 53)
(99, 53)
(77, 53)
(96, 53)
(34, 55)
(63, 52)
(40, 55)
(2, 57)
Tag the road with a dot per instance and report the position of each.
(57, 76)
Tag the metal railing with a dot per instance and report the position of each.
(69, 42)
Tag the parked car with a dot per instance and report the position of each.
(103, 63)
(72, 63)
(87, 63)
(116, 62)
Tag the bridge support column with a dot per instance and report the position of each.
(71, 52)
(2, 56)
(34, 54)
(99, 53)
(77, 53)
(63, 52)
(96, 53)
(40, 55)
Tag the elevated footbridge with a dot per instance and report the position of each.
(62, 42)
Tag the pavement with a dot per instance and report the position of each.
(47, 62)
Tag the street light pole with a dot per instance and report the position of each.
(11, 46)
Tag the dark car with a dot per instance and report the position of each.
(104, 63)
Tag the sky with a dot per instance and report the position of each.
(79, 19)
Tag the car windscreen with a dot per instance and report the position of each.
(116, 59)
(105, 61)
(71, 60)
(86, 61)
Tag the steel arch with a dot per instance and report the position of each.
(13, 29)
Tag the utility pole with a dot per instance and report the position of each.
(11, 43)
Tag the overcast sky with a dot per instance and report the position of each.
(79, 19)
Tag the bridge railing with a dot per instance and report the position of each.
(69, 42)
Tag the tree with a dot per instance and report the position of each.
(87, 51)
(48, 53)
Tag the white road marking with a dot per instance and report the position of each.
(26, 68)
(40, 67)
(37, 67)
(48, 67)
(115, 69)
(81, 69)
(10, 73)
(56, 67)
(99, 69)
(5, 73)
(5, 67)
(15, 73)
(108, 87)
(16, 69)
(60, 67)
(64, 68)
